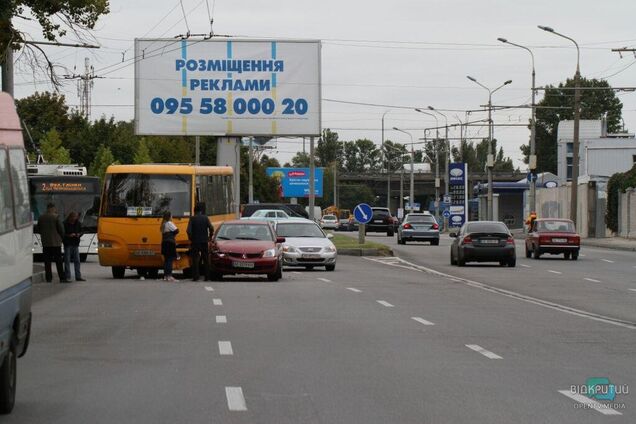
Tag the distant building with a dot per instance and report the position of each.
(601, 154)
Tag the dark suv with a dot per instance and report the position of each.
(295, 211)
(382, 222)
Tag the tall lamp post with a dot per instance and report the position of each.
(437, 181)
(490, 162)
(412, 187)
(388, 166)
(446, 156)
(577, 118)
(532, 160)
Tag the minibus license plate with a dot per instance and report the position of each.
(143, 253)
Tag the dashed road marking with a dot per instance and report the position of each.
(221, 319)
(595, 405)
(591, 280)
(555, 272)
(208, 288)
(354, 290)
(608, 261)
(488, 354)
(235, 399)
(217, 302)
(582, 255)
(634, 290)
(296, 272)
(525, 266)
(324, 280)
(524, 298)
(384, 303)
(225, 348)
(422, 321)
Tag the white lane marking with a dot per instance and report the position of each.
(384, 303)
(217, 302)
(634, 290)
(296, 272)
(525, 266)
(221, 319)
(354, 290)
(208, 288)
(488, 354)
(524, 298)
(235, 399)
(555, 272)
(324, 280)
(597, 406)
(608, 261)
(225, 348)
(422, 321)
(591, 280)
(582, 255)
(455, 280)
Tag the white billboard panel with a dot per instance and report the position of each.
(227, 87)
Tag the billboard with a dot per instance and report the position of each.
(294, 182)
(227, 87)
(457, 186)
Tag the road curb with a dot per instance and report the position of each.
(364, 252)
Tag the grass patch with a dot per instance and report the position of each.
(346, 242)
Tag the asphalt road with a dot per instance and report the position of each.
(377, 341)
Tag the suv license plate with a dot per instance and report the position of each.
(246, 265)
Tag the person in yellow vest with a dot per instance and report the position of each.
(531, 218)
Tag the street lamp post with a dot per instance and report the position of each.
(532, 160)
(437, 181)
(446, 157)
(490, 162)
(388, 166)
(575, 136)
(412, 187)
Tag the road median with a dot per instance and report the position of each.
(349, 246)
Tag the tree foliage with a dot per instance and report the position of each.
(329, 149)
(616, 185)
(142, 153)
(476, 155)
(103, 159)
(558, 105)
(359, 156)
(52, 148)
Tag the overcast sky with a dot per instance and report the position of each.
(401, 52)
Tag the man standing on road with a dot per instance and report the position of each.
(200, 232)
(51, 233)
(72, 236)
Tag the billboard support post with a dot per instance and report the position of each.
(197, 150)
(251, 172)
(312, 179)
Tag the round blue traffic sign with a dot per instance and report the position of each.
(363, 213)
(446, 213)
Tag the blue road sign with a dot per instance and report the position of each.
(363, 213)
(446, 213)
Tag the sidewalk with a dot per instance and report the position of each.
(615, 243)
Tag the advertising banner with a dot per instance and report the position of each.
(458, 185)
(227, 87)
(294, 182)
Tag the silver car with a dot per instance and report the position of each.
(419, 227)
(306, 244)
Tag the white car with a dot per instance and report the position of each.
(329, 222)
(268, 214)
(306, 244)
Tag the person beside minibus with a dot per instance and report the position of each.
(51, 233)
(200, 232)
(72, 236)
(169, 232)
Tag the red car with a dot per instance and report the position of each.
(553, 236)
(246, 247)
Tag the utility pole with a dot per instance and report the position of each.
(84, 88)
(388, 167)
(7, 71)
(197, 150)
(312, 179)
(335, 184)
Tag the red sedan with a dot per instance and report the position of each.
(246, 247)
(553, 236)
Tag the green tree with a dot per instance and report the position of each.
(43, 112)
(558, 105)
(300, 160)
(361, 155)
(103, 159)
(329, 149)
(396, 153)
(476, 156)
(617, 184)
(52, 149)
(142, 154)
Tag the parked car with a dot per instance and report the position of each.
(418, 227)
(483, 241)
(381, 222)
(298, 211)
(246, 247)
(553, 236)
(329, 222)
(268, 214)
(306, 244)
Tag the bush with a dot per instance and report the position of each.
(616, 185)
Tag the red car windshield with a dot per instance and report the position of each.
(244, 232)
(555, 227)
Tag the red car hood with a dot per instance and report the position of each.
(244, 246)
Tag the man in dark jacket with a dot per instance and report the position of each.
(72, 236)
(51, 233)
(200, 231)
